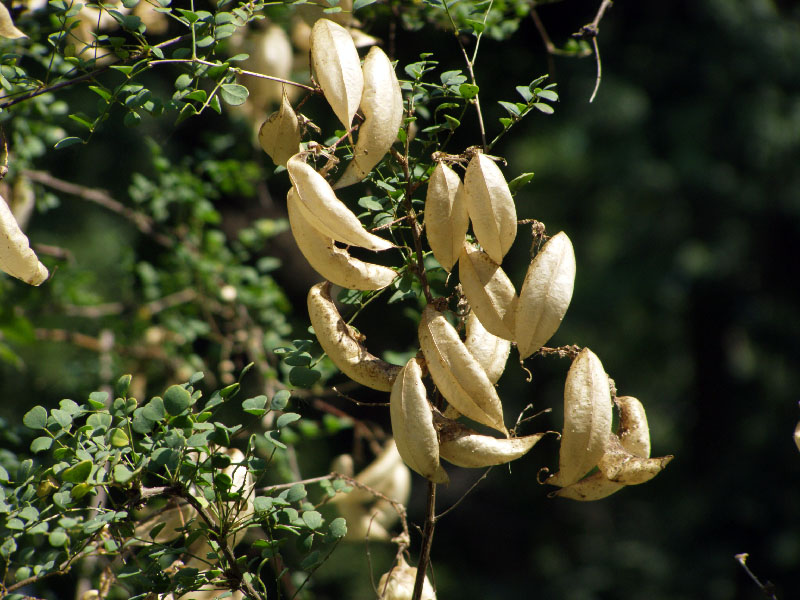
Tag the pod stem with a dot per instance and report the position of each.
(427, 541)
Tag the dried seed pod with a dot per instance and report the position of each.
(490, 206)
(7, 27)
(490, 351)
(398, 583)
(16, 257)
(459, 377)
(633, 431)
(594, 487)
(464, 447)
(587, 419)
(279, 135)
(333, 263)
(173, 519)
(797, 436)
(269, 52)
(382, 105)
(489, 291)
(412, 424)
(343, 345)
(545, 294)
(446, 219)
(337, 67)
(621, 466)
(326, 212)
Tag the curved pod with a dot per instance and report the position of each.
(464, 447)
(489, 291)
(16, 257)
(279, 135)
(490, 351)
(337, 67)
(446, 219)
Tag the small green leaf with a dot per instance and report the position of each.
(40, 444)
(122, 474)
(67, 142)
(154, 410)
(80, 490)
(177, 399)
(63, 418)
(361, 4)
(233, 93)
(313, 519)
(255, 406)
(119, 439)
(296, 492)
(77, 473)
(8, 548)
(285, 419)
(520, 181)
(57, 538)
(35, 418)
(548, 95)
(123, 385)
(303, 376)
(468, 91)
(100, 398)
(545, 108)
(271, 440)
(280, 400)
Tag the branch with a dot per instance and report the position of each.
(427, 541)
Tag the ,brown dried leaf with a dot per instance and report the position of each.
(325, 211)
(489, 291)
(621, 466)
(464, 447)
(333, 263)
(382, 105)
(16, 257)
(279, 135)
(459, 377)
(337, 67)
(7, 27)
(587, 419)
(490, 351)
(545, 294)
(342, 344)
(446, 219)
(490, 207)
(398, 583)
(412, 424)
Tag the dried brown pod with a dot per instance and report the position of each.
(333, 263)
(489, 291)
(490, 206)
(279, 135)
(337, 68)
(412, 424)
(16, 257)
(382, 105)
(446, 219)
(545, 294)
(459, 377)
(465, 447)
(490, 351)
(343, 345)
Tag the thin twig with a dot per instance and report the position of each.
(427, 542)
(465, 494)
(768, 588)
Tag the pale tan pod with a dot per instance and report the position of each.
(545, 294)
(587, 419)
(279, 135)
(459, 377)
(342, 345)
(633, 431)
(270, 53)
(382, 105)
(620, 466)
(594, 487)
(333, 263)
(337, 68)
(490, 351)
(412, 424)
(173, 519)
(398, 583)
(488, 289)
(446, 219)
(16, 257)
(797, 436)
(465, 447)
(7, 27)
(490, 206)
(326, 212)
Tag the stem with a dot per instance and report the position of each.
(427, 542)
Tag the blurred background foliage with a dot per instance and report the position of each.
(680, 189)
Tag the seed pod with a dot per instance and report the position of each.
(634, 432)
(459, 377)
(382, 105)
(412, 424)
(326, 212)
(333, 263)
(16, 257)
(173, 519)
(545, 294)
(269, 52)
(797, 436)
(490, 351)
(446, 219)
(464, 447)
(489, 291)
(343, 345)
(337, 67)
(7, 27)
(594, 487)
(620, 466)
(279, 135)
(587, 419)
(398, 583)
(490, 206)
